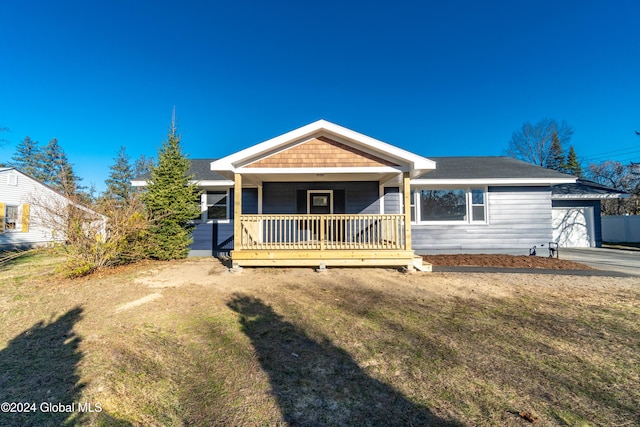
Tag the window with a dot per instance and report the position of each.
(216, 204)
(413, 206)
(12, 218)
(442, 205)
(320, 201)
(477, 204)
(448, 205)
(13, 179)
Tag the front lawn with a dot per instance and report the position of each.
(187, 343)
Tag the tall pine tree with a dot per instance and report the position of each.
(57, 171)
(573, 165)
(171, 201)
(555, 160)
(29, 159)
(121, 173)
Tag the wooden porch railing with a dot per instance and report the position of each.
(320, 232)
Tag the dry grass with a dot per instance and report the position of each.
(294, 347)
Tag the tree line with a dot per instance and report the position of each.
(124, 224)
(156, 221)
(543, 144)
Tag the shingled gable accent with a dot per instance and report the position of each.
(320, 152)
(355, 152)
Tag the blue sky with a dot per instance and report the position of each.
(436, 78)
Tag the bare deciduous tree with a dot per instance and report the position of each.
(532, 143)
(90, 240)
(621, 177)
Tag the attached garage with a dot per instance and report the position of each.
(574, 227)
(576, 213)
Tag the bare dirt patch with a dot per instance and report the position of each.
(504, 261)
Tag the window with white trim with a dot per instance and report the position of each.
(216, 204)
(451, 205)
(12, 218)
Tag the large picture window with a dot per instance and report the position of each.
(448, 205)
(443, 205)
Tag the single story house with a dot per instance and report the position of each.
(29, 211)
(326, 195)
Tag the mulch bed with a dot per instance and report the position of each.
(503, 261)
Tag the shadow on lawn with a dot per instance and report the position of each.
(39, 368)
(317, 383)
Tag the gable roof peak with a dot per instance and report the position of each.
(416, 164)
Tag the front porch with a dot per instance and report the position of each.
(316, 240)
(322, 195)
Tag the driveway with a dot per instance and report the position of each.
(605, 259)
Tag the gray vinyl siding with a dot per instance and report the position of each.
(203, 239)
(392, 200)
(518, 219)
(360, 197)
(222, 231)
(597, 218)
(249, 200)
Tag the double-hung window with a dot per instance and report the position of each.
(11, 217)
(216, 204)
(451, 205)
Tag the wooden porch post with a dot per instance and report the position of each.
(237, 211)
(406, 192)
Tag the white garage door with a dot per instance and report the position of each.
(573, 227)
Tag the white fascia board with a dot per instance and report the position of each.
(203, 183)
(417, 163)
(215, 183)
(325, 171)
(494, 181)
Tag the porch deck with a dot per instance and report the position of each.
(330, 240)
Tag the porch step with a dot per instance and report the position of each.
(420, 265)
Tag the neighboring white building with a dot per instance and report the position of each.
(26, 209)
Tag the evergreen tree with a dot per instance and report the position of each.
(555, 160)
(119, 187)
(573, 165)
(142, 166)
(171, 201)
(29, 159)
(57, 171)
